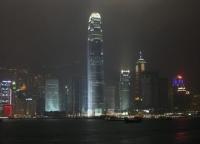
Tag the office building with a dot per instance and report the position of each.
(140, 68)
(52, 98)
(124, 90)
(95, 66)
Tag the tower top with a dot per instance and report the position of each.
(141, 55)
(95, 15)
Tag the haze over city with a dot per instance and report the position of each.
(39, 34)
(99, 71)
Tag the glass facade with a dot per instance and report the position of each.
(52, 95)
(137, 90)
(124, 90)
(95, 64)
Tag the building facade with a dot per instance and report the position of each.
(6, 98)
(95, 66)
(52, 98)
(124, 90)
(140, 68)
(110, 98)
(181, 96)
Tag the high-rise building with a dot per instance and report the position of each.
(6, 98)
(74, 94)
(149, 91)
(164, 98)
(180, 94)
(52, 98)
(195, 103)
(6, 92)
(110, 95)
(95, 66)
(139, 69)
(124, 90)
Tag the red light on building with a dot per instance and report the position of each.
(7, 110)
(179, 77)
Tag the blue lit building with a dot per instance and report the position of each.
(95, 66)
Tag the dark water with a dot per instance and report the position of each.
(99, 132)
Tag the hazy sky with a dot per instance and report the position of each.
(37, 33)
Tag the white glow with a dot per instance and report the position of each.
(6, 81)
(147, 111)
(89, 113)
(125, 71)
(187, 92)
(89, 96)
(94, 15)
(52, 95)
(29, 99)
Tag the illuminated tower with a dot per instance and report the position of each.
(124, 90)
(6, 98)
(140, 65)
(139, 70)
(180, 94)
(95, 66)
(52, 95)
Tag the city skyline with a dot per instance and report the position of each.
(53, 37)
(99, 71)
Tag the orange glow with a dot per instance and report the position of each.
(23, 87)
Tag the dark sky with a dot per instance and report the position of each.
(38, 33)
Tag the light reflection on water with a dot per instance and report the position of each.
(99, 132)
(182, 137)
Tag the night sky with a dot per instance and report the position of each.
(42, 33)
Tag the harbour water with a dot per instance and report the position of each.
(94, 131)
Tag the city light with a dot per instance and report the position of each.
(179, 77)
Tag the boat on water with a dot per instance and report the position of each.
(113, 118)
(135, 119)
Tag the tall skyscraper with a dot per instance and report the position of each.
(139, 69)
(52, 95)
(95, 66)
(149, 89)
(124, 90)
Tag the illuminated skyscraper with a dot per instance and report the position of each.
(124, 90)
(52, 95)
(139, 69)
(95, 66)
(6, 92)
(6, 98)
(180, 94)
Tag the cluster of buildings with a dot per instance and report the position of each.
(26, 94)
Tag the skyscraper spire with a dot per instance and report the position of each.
(141, 56)
(140, 64)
